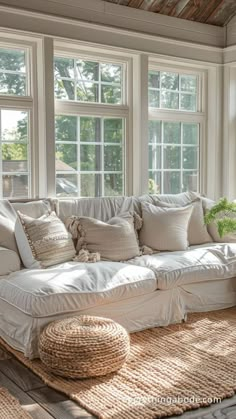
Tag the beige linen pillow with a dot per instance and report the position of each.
(43, 241)
(165, 228)
(115, 240)
(197, 230)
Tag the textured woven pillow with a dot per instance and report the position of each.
(197, 230)
(115, 240)
(43, 241)
(165, 228)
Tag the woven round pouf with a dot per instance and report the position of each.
(84, 346)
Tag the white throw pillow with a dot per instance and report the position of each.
(43, 241)
(165, 228)
(9, 261)
(197, 230)
(115, 240)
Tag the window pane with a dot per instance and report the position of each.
(111, 94)
(188, 83)
(15, 158)
(90, 157)
(169, 81)
(113, 158)
(190, 134)
(154, 132)
(154, 157)
(111, 73)
(66, 157)
(190, 181)
(12, 84)
(154, 182)
(113, 131)
(172, 157)
(154, 98)
(14, 126)
(171, 182)
(65, 89)
(87, 70)
(190, 157)
(64, 68)
(66, 185)
(169, 100)
(99, 147)
(154, 79)
(91, 185)
(172, 132)
(87, 92)
(13, 60)
(188, 102)
(66, 128)
(15, 186)
(113, 184)
(90, 129)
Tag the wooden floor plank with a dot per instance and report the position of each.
(58, 405)
(20, 375)
(29, 404)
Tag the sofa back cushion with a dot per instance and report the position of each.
(43, 241)
(9, 261)
(165, 228)
(102, 209)
(115, 240)
(34, 209)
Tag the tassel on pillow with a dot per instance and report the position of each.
(85, 256)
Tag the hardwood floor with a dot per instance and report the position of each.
(43, 402)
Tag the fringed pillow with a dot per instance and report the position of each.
(114, 240)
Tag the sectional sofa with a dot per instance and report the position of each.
(147, 291)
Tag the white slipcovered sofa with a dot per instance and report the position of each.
(144, 292)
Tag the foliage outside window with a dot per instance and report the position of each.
(173, 142)
(90, 149)
(14, 125)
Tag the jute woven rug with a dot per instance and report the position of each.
(170, 370)
(10, 408)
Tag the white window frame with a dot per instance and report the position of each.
(198, 117)
(25, 104)
(103, 110)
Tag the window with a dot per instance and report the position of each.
(88, 81)
(169, 90)
(174, 132)
(15, 115)
(90, 127)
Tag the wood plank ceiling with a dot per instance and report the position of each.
(214, 12)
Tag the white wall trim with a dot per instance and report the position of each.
(132, 40)
(129, 18)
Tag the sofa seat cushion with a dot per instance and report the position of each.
(198, 264)
(74, 286)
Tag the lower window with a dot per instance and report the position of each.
(89, 156)
(14, 142)
(173, 157)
